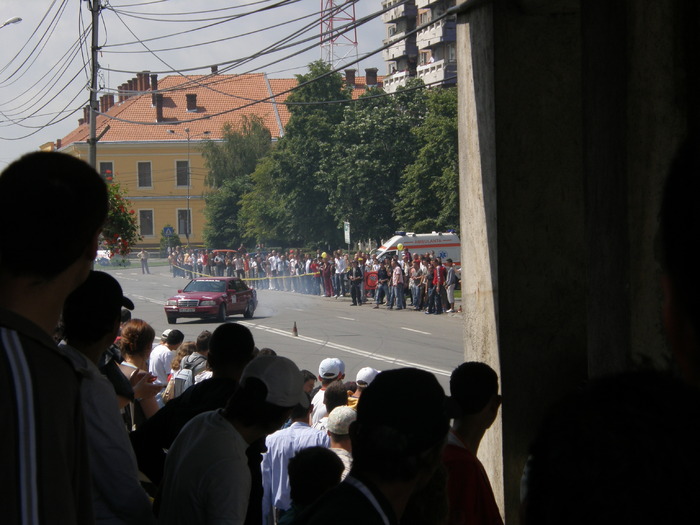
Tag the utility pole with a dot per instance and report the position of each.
(95, 7)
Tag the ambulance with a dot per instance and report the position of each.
(445, 245)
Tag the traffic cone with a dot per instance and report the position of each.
(295, 332)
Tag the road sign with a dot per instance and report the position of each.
(346, 227)
(168, 231)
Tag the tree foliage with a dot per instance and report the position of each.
(364, 164)
(120, 231)
(429, 194)
(292, 173)
(230, 164)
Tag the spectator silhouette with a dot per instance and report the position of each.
(46, 477)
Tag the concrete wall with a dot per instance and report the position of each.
(569, 115)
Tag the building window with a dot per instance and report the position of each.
(424, 58)
(184, 222)
(146, 222)
(182, 173)
(144, 175)
(391, 29)
(424, 17)
(107, 170)
(451, 52)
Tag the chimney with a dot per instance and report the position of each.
(125, 95)
(191, 102)
(154, 87)
(146, 83)
(350, 77)
(214, 69)
(102, 103)
(120, 93)
(109, 102)
(139, 81)
(159, 107)
(58, 143)
(371, 76)
(81, 121)
(86, 114)
(130, 88)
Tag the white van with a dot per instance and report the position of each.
(445, 245)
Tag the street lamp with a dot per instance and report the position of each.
(13, 20)
(189, 174)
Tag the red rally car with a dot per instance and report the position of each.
(216, 297)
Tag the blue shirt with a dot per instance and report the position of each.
(281, 447)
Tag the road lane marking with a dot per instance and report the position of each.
(416, 331)
(349, 349)
(346, 318)
(148, 299)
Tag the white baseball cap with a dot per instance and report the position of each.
(283, 379)
(331, 367)
(366, 375)
(340, 418)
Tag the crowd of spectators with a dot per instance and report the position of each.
(85, 435)
(424, 280)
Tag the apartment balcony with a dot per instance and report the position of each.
(395, 81)
(421, 4)
(401, 48)
(407, 10)
(439, 71)
(437, 33)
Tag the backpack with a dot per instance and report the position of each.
(182, 379)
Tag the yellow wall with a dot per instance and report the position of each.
(164, 197)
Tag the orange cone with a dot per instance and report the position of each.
(295, 332)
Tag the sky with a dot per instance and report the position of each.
(45, 59)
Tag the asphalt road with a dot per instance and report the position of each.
(360, 336)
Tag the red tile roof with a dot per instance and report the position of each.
(221, 99)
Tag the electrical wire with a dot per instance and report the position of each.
(280, 3)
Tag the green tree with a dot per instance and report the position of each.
(369, 153)
(230, 164)
(292, 175)
(120, 231)
(429, 194)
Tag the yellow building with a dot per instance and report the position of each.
(151, 136)
(152, 143)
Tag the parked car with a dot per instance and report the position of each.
(215, 297)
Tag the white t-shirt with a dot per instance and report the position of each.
(319, 411)
(159, 363)
(206, 478)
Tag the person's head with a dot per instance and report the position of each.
(365, 376)
(203, 340)
(185, 349)
(125, 315)
(269, 389)
(94, 309)
(309, 380)
(448, 262)
(339, 421)
(174, 339)
(331, 369)
(474, 393)
(312, 472)
(137, 338)
(56, 191)
(335, 396)
(680, 224)
(302, 412)
(231, 348)
(624, 449)
(164, 336)
(388, 441)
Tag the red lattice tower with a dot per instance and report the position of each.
(338, 31)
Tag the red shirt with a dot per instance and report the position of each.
(439, 275)
(469, 492)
